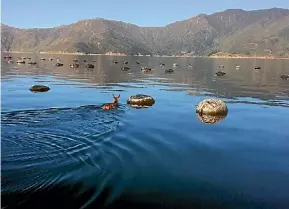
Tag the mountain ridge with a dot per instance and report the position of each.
(262, 32)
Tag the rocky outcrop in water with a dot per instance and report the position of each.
(212, 107)
(140, 100)
(210, 119)
(39, 88)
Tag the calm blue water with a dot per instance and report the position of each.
(60, 150)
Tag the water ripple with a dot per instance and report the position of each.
(38, 142)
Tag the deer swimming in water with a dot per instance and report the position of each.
(113, 105)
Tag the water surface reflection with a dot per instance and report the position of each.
(59, 149)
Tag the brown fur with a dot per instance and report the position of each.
(113, 105)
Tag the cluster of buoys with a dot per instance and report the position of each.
(146, 69)
(284, 77)
(74, 65)
(21, 60)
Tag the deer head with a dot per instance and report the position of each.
(116, 98)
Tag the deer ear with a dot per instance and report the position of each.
(113, 95)
(118, 96)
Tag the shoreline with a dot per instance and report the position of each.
(123, 55)
(241, 57)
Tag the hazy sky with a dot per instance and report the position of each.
(50, 13)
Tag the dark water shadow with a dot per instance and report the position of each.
(79, 195)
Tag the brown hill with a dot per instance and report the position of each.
(263, 32)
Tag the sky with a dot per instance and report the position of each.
(52, 13)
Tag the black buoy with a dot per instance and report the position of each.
(146, 69)
(89, 66)
(137, 62)
(74, 65)
(258, 68)
(31, 63)
(125, 62)
(169, 71)
(125, 68)
(58, 64)
(220, 73)
(285, 77)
